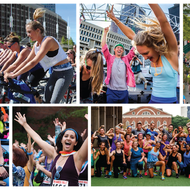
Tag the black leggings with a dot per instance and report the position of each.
(187, 170)
(100, 164)
(115, 168)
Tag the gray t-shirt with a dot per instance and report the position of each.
(135, 132)
(118, 75)
(169, 135)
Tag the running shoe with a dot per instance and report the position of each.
(162, 178)
(145, 173)
(155, 174)
(177, 175)
(121, 171)
(124, 177)
(140, 176)
(189, 176)
(107, 176)
(129, 174)
(110, 173)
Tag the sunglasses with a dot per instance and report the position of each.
(69, 53)
(57, 173)
(11, 45)
(87, 67)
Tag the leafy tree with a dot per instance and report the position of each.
(179, 120)
(63, 40)
(186, 27)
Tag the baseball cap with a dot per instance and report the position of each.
(119, 45)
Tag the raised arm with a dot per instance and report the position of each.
(43, 144)
(104, 36)
(125, 29)
(30, 156)
(165, 27)
(82, 154)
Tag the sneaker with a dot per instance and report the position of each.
(140, 176)
(107, 176)
(129, 174)
(110, 173)
(121, 171)
(124, 177)
(155, 174)
(177, 175)
(162, 178)
(189, 176)
(145, 173)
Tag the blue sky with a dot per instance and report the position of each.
(68, 13)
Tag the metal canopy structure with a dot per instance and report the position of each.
(97, 12)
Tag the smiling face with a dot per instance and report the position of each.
(148, 53)
(69, 141)
(118, 51)
(118, 145)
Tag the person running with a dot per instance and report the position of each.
(69, 156)
(119, 160)
(91, 75)
(156, 42)
(136, 159)
(103, 160)
(119, 73)
(155, 158)
(49, 53)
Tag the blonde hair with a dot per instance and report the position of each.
(151, 35)
(38, 13)
(97, 72)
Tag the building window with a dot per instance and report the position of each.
(158, 123)
(146, 113)
(127, 123)
(95, 36)
(84, 32)
(134, 124)
(92, 35)
(133, 113)
(158, 113)
(146, 122)
(81, 31)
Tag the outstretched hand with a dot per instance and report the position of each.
(110, 13)
(20, 119)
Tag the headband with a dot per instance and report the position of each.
(119, 45)
(73, 131)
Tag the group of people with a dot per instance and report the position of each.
(139, 150)
(156, 42)
(60, 161)
(4, 146)
(18, 62)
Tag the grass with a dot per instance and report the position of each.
(136, 181)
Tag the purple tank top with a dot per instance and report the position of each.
(113, 147)
(68, 172)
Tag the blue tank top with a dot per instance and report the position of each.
(188, 139)
(21, 48)
(153, 156)
(164, 85)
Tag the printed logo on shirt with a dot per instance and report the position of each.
(60, 183)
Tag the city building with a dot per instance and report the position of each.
(107, 116)
(174, 11)
(50, 7)
(90, 37)
(23, 13)
(144, 115)
(184, 111)
(128, 11)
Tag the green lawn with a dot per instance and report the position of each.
(136, 181)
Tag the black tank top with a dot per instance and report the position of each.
(103, 139)
(85, 87)
(172, 159)
(118, 157)
(103, 158)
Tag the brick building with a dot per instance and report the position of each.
(146, 114)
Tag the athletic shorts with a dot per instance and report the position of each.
(150, 164)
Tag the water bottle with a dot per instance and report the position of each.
(39, 154)
(20, 97)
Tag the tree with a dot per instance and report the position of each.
(179, 120)
(63, 40)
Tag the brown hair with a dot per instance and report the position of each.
(12, 37)
(38, 13)
(96, 69)
(19, 157)
(151, 35)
